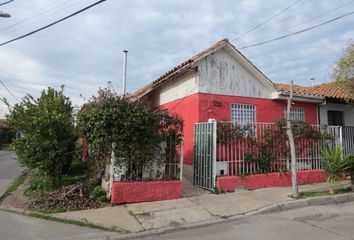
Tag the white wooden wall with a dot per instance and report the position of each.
(221, 73)
(218, 73)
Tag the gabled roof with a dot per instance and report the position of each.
(334, 90)
(189, 64)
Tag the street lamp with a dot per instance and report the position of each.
(4, 14)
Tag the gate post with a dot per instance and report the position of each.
(214, 122)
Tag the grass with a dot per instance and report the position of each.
(39, 183)
(310, 194)
(14, 185)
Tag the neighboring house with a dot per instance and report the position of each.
(223, 84)
(338, 108)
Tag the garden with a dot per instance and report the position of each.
(67, 151)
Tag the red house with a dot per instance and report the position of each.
(223, 84)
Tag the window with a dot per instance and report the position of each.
(296, 114)
(335, 118)
(243, 113)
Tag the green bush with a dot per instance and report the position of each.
(47, 126)
(98, 194)
(135, 127)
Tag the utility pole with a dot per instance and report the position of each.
(124, 88)
(289, 131)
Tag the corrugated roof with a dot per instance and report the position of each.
(332, 90)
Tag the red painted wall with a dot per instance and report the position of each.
(131, 192)
(231, 183)
(200, 107)
(188, 109)
(267, 110)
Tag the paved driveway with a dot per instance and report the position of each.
(9, 169)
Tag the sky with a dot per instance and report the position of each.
(84, 53)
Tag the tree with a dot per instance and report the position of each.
(47, 127)
(344, 69)
(290, 134)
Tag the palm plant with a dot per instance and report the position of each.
(334, 165)
(350, 170)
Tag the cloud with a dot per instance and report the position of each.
(85, 52)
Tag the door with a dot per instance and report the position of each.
(204, 155)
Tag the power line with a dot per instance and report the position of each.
(27, 21)
(53, 23)
(6, 77)
(308, 20)
(313, 18)
(6, 2)
(297, 32)
(268, 20)
(8, 90)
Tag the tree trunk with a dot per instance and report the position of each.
(292, 145)
(331, 190)
(352, 180)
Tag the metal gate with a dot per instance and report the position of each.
(204, 161)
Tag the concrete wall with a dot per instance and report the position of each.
(267, 110)
(177, 88)
(130, 192)
(200, 107)
(347, 109)
(231, 183)
(222, 73)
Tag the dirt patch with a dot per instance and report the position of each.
(68, 198)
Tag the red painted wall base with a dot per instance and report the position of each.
(132, 192)
(231, 183)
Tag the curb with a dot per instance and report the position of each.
(273, 208)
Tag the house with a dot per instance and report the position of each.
(222, 84)
(338, 108)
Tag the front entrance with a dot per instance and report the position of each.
(204, 155)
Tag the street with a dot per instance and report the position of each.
(18, 227)
(9, 169)
(15, 226)
(322, 222)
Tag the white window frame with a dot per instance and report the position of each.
(247, 113)
(296, 113)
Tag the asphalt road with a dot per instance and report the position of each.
(323, 222)
(9, 169)
(18, 227)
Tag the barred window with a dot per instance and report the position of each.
(243, 113)
(296, 114)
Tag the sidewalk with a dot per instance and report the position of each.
(133, 218)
